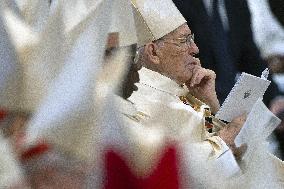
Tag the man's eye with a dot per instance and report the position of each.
(183, 41)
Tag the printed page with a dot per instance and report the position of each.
(247, 90)
(259, 125)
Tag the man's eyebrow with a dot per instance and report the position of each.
(185, 35)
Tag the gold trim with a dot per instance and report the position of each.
(196, 104)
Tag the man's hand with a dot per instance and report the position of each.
(202, 86)
(229, 133)
(277, 105)
(276, 63)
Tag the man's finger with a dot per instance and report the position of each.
(195, 73)
(210, 74)
(240, 120)
(240, 152)
(202, 73)
(197, 61)
(200, 77)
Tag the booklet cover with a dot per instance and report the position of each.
(247, 90)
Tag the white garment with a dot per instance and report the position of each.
(10, 171)
(67, 113)
(34, 12)
(268, 32)
(261, 170)
(202, 153)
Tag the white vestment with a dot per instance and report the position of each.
(205, 157)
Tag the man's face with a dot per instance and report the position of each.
(176, 56)
(132, 76)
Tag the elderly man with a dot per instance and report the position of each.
(170, 62)
(165, 112)
(173, 57)
(223, 34)
(170, 94)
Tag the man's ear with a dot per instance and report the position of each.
(151, 52)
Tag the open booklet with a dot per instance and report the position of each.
(247, 90)
(259, 124)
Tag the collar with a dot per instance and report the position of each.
(160, 82)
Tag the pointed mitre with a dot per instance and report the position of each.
(123, 23)
(22, 35)
(37, 63)
(34, 12)
(82, 8)
(67, 117)
(10, 70)
(76, 24)
(43, 62)
(122, 34)
(155, 19)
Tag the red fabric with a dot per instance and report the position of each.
(34, 151)
(3, 114)
(119, 175)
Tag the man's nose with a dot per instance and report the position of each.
(193, 50)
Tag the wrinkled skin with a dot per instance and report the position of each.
(276, 63)
(229, 133)
(175, 59)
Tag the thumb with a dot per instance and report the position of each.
(240, 151)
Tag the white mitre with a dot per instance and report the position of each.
(123, 22)
(42, 63)
(9, 68)
(34, 12)
(75, 11)
(123, 28)
(38, 58)
(155, 19)
(21, 33)
(67, 117)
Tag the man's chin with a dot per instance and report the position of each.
(181, 81)
(135, 88)
(128, 92)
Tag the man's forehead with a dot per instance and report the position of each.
(181, 31)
